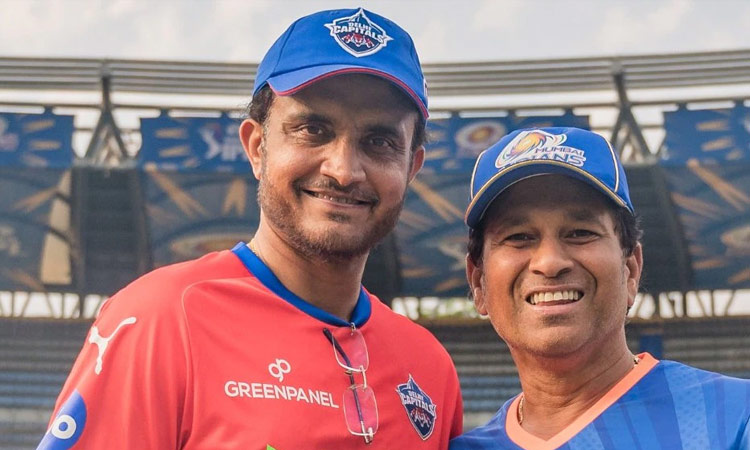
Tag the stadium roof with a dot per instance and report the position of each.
(444, 79)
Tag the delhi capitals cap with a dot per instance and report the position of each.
(525, 153)
(333, 42)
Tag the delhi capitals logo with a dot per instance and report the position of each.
(358, 35)
(419, 407)
(539, 145)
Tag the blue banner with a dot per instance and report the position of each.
(713, 206)
(708, 135)
(432, 237)
(455, 142)
(36, 140)
(190, 144)
(34, 229)
(191, 214)
(707, 165)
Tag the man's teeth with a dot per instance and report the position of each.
(347, 201)
(542, 297)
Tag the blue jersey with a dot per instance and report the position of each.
(658, 405)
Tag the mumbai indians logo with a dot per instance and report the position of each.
(358, 35)
(419, 407)
(539, 145)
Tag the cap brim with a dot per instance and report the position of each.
(291, 82)
(521, 171)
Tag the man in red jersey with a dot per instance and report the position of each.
(275, 343)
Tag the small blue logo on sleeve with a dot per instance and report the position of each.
(68, 425)
(419, 407)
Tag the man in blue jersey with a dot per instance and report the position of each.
(555, 261)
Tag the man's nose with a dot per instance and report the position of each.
(550, 258)
(343, 163)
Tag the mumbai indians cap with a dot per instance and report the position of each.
(341, 41)
(525, 153)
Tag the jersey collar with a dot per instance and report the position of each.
(257, 267)
(525, 439)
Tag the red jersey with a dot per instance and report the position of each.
(217, 354)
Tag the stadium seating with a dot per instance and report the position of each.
(35, 357)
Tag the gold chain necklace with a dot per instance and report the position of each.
(254, 248)
(520, 402)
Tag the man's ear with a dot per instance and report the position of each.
(251, 136)
(417, 161)
(474, 276)
(634, 267)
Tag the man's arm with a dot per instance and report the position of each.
(127, 387)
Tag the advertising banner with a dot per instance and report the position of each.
(34, 228)
(36, 140)
(716, 135)
(192, 144)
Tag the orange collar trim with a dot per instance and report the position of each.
(527, 440)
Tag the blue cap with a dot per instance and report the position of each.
(525, 153)
(340, 41)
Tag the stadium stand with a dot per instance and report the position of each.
(35, 357)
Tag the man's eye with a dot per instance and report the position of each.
(314, 130)
(519, 237)
(380, 142)
(581, 233)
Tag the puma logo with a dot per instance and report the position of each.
(103, 341)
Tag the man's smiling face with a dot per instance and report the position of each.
(553, 276)
(336, 162)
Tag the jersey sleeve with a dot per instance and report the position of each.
(127, 387)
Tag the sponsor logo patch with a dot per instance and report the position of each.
(279, 368)
(68, 425)
(419, 407)
(102, 342)
(358, 35)
(539, 145)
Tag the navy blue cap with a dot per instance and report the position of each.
(340, 41)
(525, 153)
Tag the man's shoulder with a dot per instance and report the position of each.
(679, 370)
(489, 435)
(397, 331)
(163, 288)
(688, 382)
(400, 324)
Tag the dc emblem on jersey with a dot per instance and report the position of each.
(539, 145)
(419, 407)
(68, 425)
(358, 35)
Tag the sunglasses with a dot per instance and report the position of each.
(360, 408)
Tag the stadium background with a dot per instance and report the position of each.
(122, 176)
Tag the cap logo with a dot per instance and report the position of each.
(539, 145)
(358, 35)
